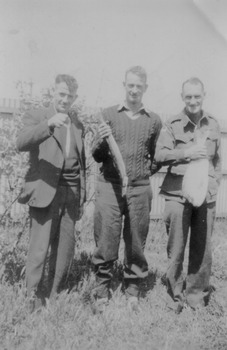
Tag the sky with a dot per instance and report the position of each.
(97, 40)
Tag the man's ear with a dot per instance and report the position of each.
(145, 87)
(123, 84)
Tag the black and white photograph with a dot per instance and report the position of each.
(113, 174)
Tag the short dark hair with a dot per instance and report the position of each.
(194, 81)
(138, 70)
(70, 81)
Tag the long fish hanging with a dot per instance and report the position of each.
(117, 158)
(195, 181)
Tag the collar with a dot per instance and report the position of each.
(122, 107)
(187, 120)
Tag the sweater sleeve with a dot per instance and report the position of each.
(155, 166)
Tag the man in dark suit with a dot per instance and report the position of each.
(54, 187)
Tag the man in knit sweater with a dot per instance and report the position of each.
(135, 130)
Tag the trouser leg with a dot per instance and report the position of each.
(41, 220)
(136, 226)
(52, 226)
(107, 232)
(63, 241)
(200, 255)
(177, 218)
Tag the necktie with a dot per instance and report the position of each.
(67, 144)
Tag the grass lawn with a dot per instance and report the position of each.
(69, 322)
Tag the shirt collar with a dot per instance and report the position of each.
(187, 120)
(122, 107)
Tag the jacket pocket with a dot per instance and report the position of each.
(182, 140)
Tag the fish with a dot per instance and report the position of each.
(117, 158)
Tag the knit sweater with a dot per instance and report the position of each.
(136, 139)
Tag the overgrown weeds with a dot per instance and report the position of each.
(70, 323)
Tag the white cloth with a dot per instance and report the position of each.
(195, 181)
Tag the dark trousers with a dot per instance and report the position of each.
(179, 217)
(110, 208)
(52, 227)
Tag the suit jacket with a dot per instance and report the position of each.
(46, 157)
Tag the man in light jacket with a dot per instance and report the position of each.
(176, 148)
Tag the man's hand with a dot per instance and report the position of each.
(196, 152)
(104, 130)
(58, 120)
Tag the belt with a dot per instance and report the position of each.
(139, 182)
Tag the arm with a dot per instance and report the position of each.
(35, 130)
(217, 159)
(165, 153)
(154, 165)
(100, 147)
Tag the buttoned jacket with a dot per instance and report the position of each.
(178, 134)
(46, 158)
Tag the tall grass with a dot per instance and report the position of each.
(70, 322)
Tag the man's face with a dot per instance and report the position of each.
(193, 96)
(63, 98)
(135, 87)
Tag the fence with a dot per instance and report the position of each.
(157, 203)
